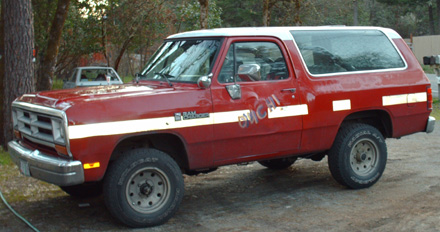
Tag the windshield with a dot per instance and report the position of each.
(182, 60)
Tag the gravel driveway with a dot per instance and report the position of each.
(252, 198)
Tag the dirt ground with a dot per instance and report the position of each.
(252, 198)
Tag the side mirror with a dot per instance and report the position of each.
(204, 82)
(249, 72)
(234, 91)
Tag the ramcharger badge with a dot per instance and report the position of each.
(190, 115)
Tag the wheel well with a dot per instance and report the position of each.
(168, 143)
(377, 118)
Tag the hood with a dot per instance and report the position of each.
(64, 99)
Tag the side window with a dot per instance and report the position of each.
(341, 51)
(263, 58)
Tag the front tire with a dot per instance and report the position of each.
(358, 156)
(143, 188)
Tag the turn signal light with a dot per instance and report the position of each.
(91, 165)
(61, 149)
(17, 134)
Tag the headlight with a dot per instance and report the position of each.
(59, 134)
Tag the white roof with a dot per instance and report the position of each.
(94, 67)
(282, 33)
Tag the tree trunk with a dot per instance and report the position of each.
(19, 43)
(47, 68)
(204, 4)
(297, 19)
(104, 38)
(267, 8)
(122, 51)
(2, 72)
(438, 16)
(373, 18)
(266, 13)
(431, 20)
(355, 13)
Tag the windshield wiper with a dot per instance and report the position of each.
(164, 76)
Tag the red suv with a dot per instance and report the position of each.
(225, 96)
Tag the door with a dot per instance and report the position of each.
(257, 111)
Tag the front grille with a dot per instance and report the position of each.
(39, 128)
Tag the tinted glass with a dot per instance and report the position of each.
(266, 55)
(182, 60)
(346, 51)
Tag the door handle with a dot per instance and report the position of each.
(292, 90)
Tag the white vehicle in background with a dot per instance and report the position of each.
(92, 76)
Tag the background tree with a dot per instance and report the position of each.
(81, 37)
(19, 43)
(128, 19)
(204, 6)
(2, 72)
(438, 15)
(288, 13)
(267, 8)
(355, 13)
(46, 68)
(240, 13)
(189, 15)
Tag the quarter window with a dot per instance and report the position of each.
(263, 59)
(341, 51)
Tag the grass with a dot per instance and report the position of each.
(436, 109)
(5, 159)
(428, 69)
(57, 84)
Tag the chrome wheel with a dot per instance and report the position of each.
(148, 190)
(364, 157)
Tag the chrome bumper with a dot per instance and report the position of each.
(54, 170)
(430, 125)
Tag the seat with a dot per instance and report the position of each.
(100, 77)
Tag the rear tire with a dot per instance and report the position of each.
(278, 164)
(143, 188)
(358, 156)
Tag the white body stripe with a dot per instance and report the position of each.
(151, 124)
(132, 126)
(288, 111)
(417, 97)
(227, 117)
(342, 105)
(404, 99)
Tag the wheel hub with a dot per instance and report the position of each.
(360, 157)
(146, 189)
(364, 157)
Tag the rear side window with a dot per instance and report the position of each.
(339, 51)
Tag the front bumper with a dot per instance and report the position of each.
(430, 125)
(47, 168)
